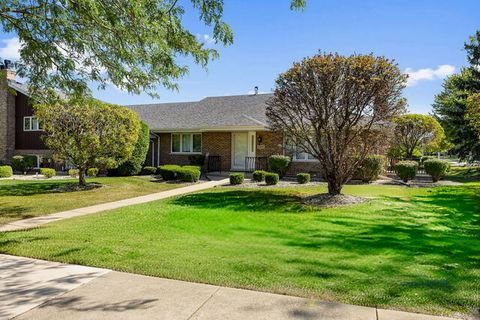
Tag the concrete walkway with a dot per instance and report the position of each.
(36, 289)
(38, 221)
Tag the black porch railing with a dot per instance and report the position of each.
(256, 163)
(392, 161)
(214, 164)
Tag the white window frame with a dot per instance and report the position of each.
(294, 155)
(30, 127)
(181, 134)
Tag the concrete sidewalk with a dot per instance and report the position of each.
(35, 289)
(38, 221)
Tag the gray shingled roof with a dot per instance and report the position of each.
(208, 114)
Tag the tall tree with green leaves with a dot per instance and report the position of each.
(89, 133)
(135, 45)
(451, 105)
(417, 131)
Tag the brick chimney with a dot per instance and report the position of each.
(7, 117)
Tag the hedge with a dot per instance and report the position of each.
(370, 168)
(236, 178)
(406, 170)
(73, 173)
(271, 178)
(148, 170)
(303, 178)
(436, 168)
(174, 172)
(279, 164)
(48, 172)
(92, 172)
(259, 175)
(6, 171)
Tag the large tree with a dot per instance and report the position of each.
(89, 133)
(333, 107)
(133, 44)
(450, 106)
(413, 131)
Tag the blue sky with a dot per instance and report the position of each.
(424, 37)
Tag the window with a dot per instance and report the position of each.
(31, 124)
(296, 152)
(186, 142)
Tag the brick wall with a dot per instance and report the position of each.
(213, 143)
(272, 143)
(7, 120)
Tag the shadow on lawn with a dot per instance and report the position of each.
(31, 188)
(240, 200)
(426, 246)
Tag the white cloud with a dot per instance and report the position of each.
(415, 76)
(206, 38)
(10, 48)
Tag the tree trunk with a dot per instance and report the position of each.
(81, 177)
(334, 187)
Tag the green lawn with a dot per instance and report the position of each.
(413, 249)
(464, 174)
(21, 199)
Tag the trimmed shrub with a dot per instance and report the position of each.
(173, 172)
(279, 164)
(168, 172)
(92, 172)
(259, 175)
(188, 174)
(134, 164)
(148, 170)
(436, 168)
(6, 171)
(303, 178)
(236, 177)
(48, 172)
(406, 170)
(371, 167)
(24, 163)
(425, 158)
(73, 173)
(199, 168)
(197, 160)
(271, 178)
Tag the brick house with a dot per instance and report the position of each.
(230, 131)
(20, 132)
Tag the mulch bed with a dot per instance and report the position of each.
(325, 200)
(75, 187)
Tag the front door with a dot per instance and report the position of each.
(243, 145)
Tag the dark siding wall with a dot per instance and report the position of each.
(25, 140)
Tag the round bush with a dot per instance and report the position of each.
(48, 172)
(6, 171)
(236, 178)
(371, 167)
(279, 164)
(303, 178)
(73, 173)
(148, 170)
(92, 172)
(271, 178)
(436, 168)
(188, 174)
(406, 170)
(168, 172)
(425, 158)
(258, 175)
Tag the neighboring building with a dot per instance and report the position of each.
(230, 131)
(20, 133)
